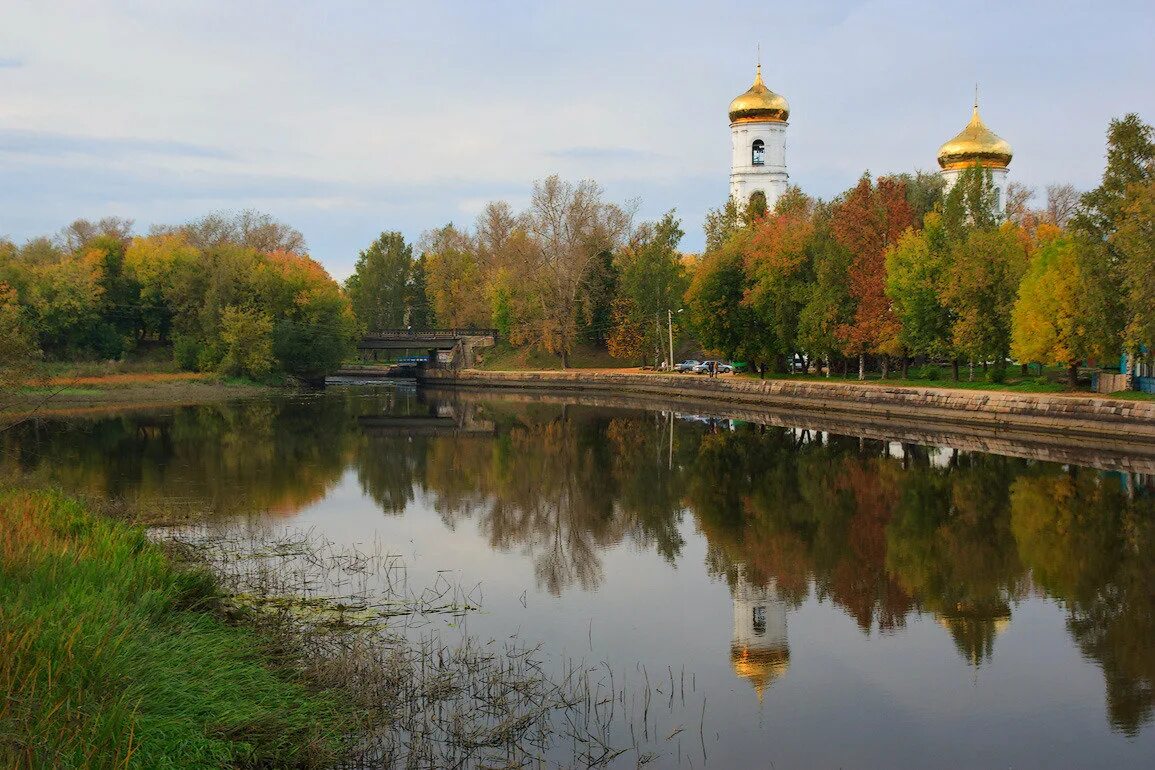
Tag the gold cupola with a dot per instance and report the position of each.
(760, 667)
(759, 104)
(975, 144)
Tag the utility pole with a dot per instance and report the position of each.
(670, 318)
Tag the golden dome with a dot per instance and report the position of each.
(759, 666)
(975, 144)
(759, 104)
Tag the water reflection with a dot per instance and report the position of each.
(884, 531)
(759, 650)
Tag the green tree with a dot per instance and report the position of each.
(916, 268)
(1130, 156)
(721, 223)
(983, 279)
(720, 319)
(971, 204)
(1134, 239)
(17, 346)
(827, 301)
(421, 314)
(380, 285)
(652, 282)
(246, 337)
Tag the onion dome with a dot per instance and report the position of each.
(975, 144)
(758, 666)
(759, 104)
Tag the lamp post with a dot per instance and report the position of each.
(670, 320)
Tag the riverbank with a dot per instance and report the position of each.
(113, 656)
(74, 394)
(1106, 420)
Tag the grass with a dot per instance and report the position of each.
(111, 656)
(1133, 395)
(503, 357)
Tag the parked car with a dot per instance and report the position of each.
(686, 366)
(718, 366)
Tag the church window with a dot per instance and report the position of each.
(759, 620)
(757, 206)
(758, 152)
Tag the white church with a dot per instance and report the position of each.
(758, 122)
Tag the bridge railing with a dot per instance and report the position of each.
(430, 334)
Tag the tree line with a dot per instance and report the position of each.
(893, 271)
(230, 293)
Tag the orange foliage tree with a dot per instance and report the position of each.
(867, 222)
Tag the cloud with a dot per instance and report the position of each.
(594, 154)
(10, 63)
(53, 144)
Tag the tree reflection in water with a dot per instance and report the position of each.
(883, 531)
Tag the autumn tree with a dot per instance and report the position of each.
(1055, 319)
(1062, 204)
(867, 221)
(778, 265)
(379, 285)
(569, 227)
(453, 278)
(250, 229)
(720, 319)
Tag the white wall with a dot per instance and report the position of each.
(998, 178)
(745, 177)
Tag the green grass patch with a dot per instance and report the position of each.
(111, 656)
(504, 357)
(1133, 395)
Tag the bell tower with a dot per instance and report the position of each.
(758, 122)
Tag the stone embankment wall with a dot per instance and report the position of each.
(1107, 420)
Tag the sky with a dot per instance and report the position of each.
(346, 119)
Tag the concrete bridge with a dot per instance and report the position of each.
(441, 348)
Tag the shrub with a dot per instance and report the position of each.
(247, 343)
(186, 352)
(926, 372)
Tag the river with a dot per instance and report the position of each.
(801, 598)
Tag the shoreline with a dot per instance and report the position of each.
(1112, 423)
(96, 394)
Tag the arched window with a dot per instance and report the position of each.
(758, 153)
(757, 206)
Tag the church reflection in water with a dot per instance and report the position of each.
(759, 649)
